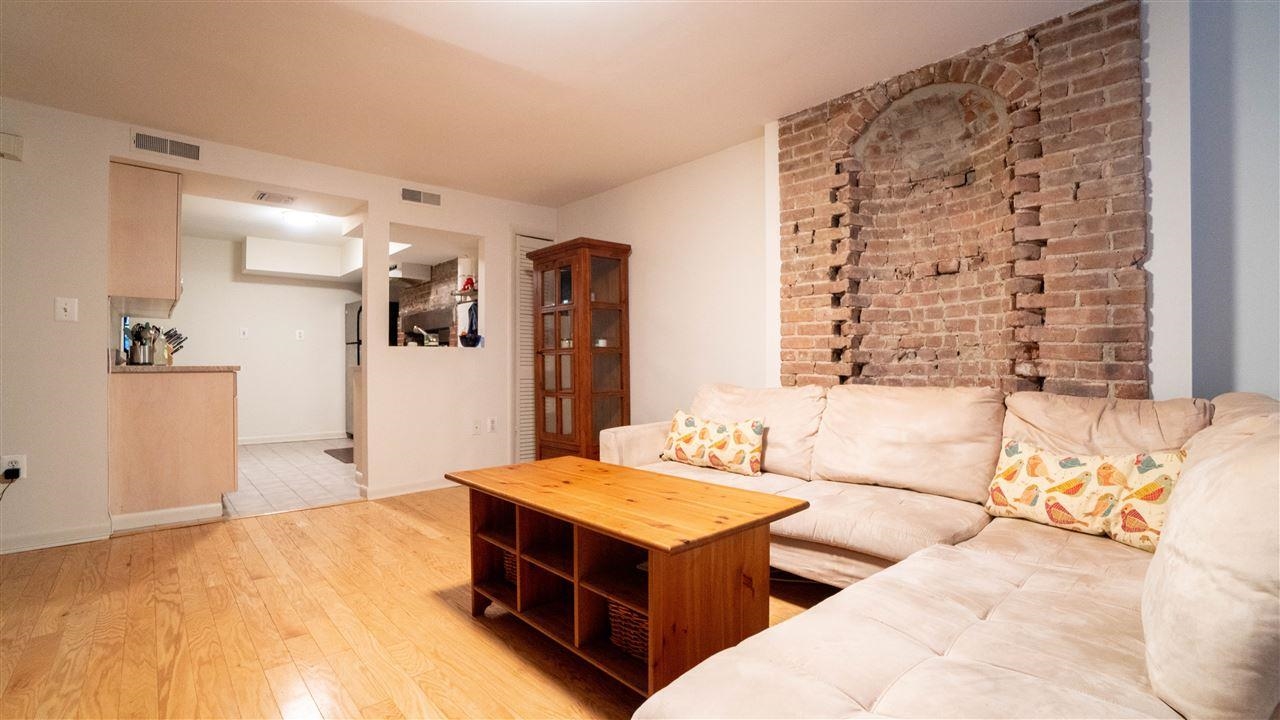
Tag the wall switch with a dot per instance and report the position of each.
(66, 309)
(491, 424)
(475, 426)
(9, 462)
(244, 333)
(297, 334)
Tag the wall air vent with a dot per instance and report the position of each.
(155, 143)
(419, 196)
(273, 198)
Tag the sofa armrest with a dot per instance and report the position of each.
(633, 445)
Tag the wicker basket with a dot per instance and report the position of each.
(629, 630)
(509, 567)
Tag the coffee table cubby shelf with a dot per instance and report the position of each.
(640, 574)
(566, 577)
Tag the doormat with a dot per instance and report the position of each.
(346, 455)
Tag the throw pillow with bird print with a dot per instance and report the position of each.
(1144, 504)
(1097, 494)
(731, 446)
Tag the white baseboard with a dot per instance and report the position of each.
(69, 536)
(405, 489)
(265, 439)
(151, 518)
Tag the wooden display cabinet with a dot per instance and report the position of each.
(581, 360)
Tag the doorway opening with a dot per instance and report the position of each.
(269, 276)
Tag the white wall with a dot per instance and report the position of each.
(1166, 66)
(697, 282)
(289, 389)
(1235, 180)
(53, 375)
(772, 258)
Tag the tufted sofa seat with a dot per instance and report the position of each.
(953, 632)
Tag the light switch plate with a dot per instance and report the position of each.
(244, 333)
(66, 309)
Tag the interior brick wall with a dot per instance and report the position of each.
(434, 294)
(977, 221)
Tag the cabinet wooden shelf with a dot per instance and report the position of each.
(567, 574)
(623, 585)
(505, 540)
(581, 364)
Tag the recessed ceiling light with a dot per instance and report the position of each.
(299, 219)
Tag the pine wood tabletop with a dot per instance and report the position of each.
(655, 511)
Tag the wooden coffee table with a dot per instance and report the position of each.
(690, 558)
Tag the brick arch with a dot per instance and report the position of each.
(1012, 82)
(1075, 184)
(830, 349)
(932, 276)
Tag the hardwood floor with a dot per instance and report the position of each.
(357, 610)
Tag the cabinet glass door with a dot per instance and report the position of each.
(606, 280)
(566, 285)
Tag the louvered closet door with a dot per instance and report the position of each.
(525, 424)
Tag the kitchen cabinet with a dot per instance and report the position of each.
(144, 272)
(171, 437)
(581, 362)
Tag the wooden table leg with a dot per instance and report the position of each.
(706, 599)
(478, 603)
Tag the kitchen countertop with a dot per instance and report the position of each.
(174, 368)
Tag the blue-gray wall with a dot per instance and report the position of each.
(1235, 191)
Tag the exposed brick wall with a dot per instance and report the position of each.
(978, 221)
(434, 294)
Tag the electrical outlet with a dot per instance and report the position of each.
(66, 309)
(475, 426)
(491, 424)
(297, 334)
(14, 461)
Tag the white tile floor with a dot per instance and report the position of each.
(291, 476)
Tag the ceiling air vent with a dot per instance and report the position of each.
(155, 143)
(274, 198)
(419, 196)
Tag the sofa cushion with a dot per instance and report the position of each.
(1229, 407)
(888, 523)
(823, 563)
(1103, 426)
(1211, 605)
(949, 632)
(791, 416)
(764, 482)
(732, 446)
(1025, 541)
(942, 441)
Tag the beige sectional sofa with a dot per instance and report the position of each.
(956, 614)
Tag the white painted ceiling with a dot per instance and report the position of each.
(429, 246)
(541, 102)
(219, 219)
